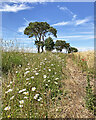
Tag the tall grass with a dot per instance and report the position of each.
(32, 83)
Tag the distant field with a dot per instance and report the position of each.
(87, 56)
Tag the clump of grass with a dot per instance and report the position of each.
(11, 60)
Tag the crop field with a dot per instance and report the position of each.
(35, 85)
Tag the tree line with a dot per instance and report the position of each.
(40, 30)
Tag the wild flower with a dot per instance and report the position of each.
(36, 96)
(32, 77)
(22, 90)
(16, 71)
(8, 85)
(55, 73)
(56, 83)
(19, 65)
(25, 97)
(10, 82)
(44, 76)
(26, 72)
(36, 73)
(20, 106)
(46, 84)
(33, 88)
(21, 101)
(48, 80)
(39, 99)
(8, 116)
(56, 78)
(12, 97)
(29, 83)
(51, 64)
(27, 78)
(49, 70)
(10, 90)
(28, 64)
(26, 68)
(7, 108)
(26, 93)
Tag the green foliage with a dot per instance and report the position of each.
(10, 60)
(59, 45)
(39, 30)
(90, 99)
(49, 44)
(72, 49)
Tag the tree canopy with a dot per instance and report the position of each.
(39, 30)
(49, 44)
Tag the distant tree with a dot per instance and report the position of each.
(59, 45)
(67, 47)
(39, 30)
(72, 49)
(49, 44)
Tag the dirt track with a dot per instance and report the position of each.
(73, 104)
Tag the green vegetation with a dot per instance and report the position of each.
(33, 84)
(49, 44)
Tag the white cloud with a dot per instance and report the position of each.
(21, 29)
(74, 37)
(79, 22)
(61, 24)
(65, 9)
(14, 7)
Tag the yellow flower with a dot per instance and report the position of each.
(8, 116)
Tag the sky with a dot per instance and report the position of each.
(74, 22)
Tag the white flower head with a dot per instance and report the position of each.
(26, 93)
(25, 97)
(56, 83)
(39, 99)
(12, 97)
(49, 70)
(20, 106)
(22, 90)
(10, 82)
(7, 108)
(10, 90)
(21, 101)
(48, 80)
(27, 78)
(56, 78)
(36, 96)
(36, 73)
(26, 72)
(32, 77)
(33, 88)
(44, 76)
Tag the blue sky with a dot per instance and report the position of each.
(74, 21)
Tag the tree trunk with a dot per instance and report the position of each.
(42, 48)
(38, 49)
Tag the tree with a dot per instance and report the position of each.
(59, 45)
(67, 47)
(49, 44)
(72, 49)
(39, 30)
